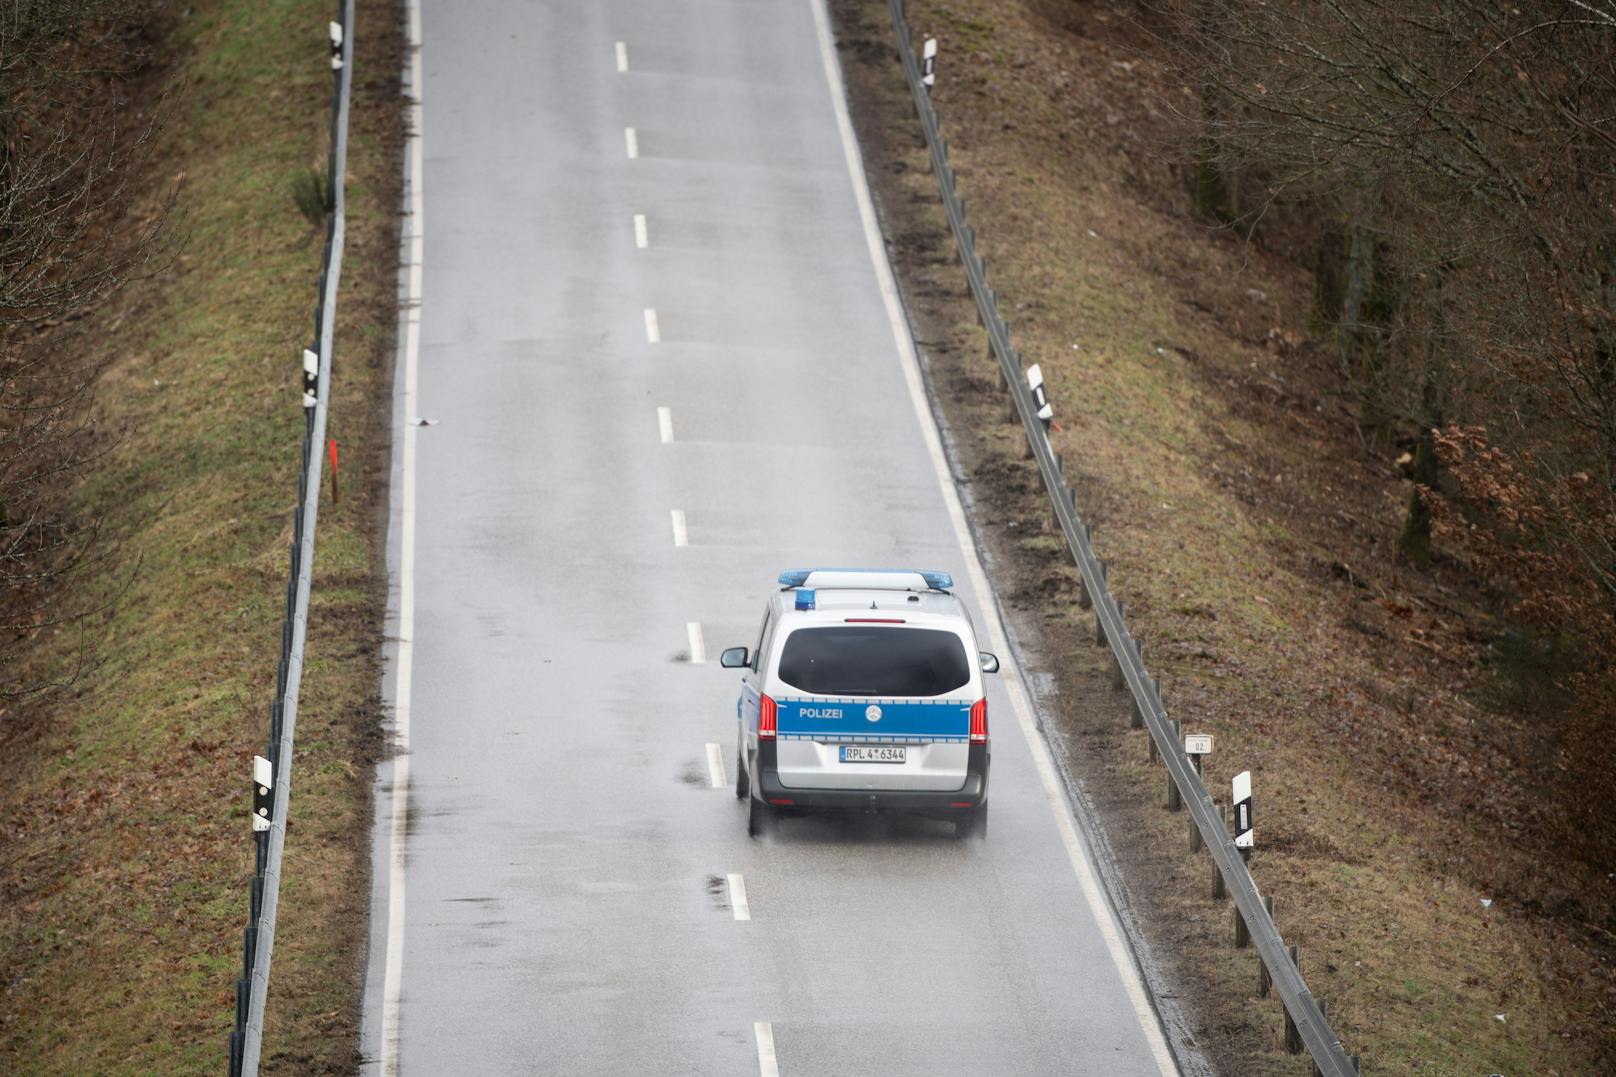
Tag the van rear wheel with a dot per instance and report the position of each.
(759, 817)
(743, 781)
(973, 825)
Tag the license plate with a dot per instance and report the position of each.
(872, 753)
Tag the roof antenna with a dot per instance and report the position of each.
(872, 603)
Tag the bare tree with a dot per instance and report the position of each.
(1463, 153)
(67, 161)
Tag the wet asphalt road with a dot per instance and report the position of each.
(566, 856)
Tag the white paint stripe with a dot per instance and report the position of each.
(681, 537)
(715, 766)
(737, 896)
(653, 331)
(698, 649)
(664, 421)
(622, 56)
(631, 142)
(1054, 793)
(767, 1065)
(392, 976)
(642, 239)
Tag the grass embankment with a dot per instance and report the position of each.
(1445, 881)
(124, 799)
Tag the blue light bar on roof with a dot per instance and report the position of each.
(805, 598)
(937, 581)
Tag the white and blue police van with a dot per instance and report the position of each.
(864, 692)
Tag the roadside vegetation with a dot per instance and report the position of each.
(139, 664)
(1337, 410)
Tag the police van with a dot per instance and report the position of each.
(863, 692)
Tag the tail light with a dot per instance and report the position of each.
(979, 722)
(766, 718)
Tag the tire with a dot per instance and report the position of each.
(743, 780)
(759, 818)
(974, 825)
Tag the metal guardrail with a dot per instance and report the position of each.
(1306, 1021)
(258, 940)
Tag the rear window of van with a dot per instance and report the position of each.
(874, 660)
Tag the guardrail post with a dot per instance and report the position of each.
(1137, 720)
(1175, 799)
(1242, 930)
(1293, 1035)
(1324, 1012)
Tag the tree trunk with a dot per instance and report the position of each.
(1414, 544)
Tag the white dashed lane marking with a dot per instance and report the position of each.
(737, 897)
(642, 238)
(715, 766)
(698, 648)
(631, 142)
(622, 56)
(681, 536)
(653, 331)
(767, 1066)
(664, 421)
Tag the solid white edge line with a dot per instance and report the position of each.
(698, 648)
(631, 142)
(642, 238)
(715, 765)
(681, 536)
(622, 56)
(664, 421)
(737, 897)
(1054, 793)
(767, 1065)
(653, 331)
(392, 977)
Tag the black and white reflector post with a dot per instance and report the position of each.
(1243, 837)
(263, 786)
(311, 376)
(1040, 398)
(336, 46)
(928, 62)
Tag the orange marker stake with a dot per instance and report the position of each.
(331, 453)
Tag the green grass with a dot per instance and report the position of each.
(127, 866)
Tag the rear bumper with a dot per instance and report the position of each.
(766, 786)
